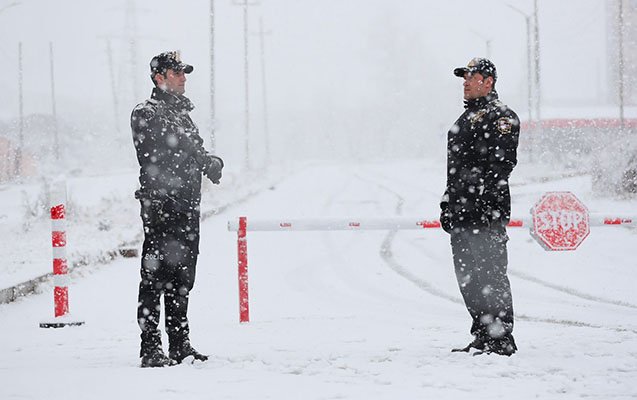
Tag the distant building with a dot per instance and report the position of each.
(629, 48)
(8, 167)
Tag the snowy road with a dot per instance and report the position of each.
(355, 315)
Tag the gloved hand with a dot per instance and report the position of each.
(445, 220)
(213, 172)
(152, 212)
(445, 214)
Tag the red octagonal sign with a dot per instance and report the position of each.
(560, 221)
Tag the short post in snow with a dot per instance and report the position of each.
(242, 246)
(60, 265)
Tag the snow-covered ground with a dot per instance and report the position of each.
(350, 315)
(102, 216)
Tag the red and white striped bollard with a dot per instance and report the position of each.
(60, 264)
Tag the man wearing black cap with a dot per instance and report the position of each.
(172, 160)
(476, 206)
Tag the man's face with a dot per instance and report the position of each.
(174, 82)
(476, 86)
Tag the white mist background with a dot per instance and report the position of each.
(346, 79)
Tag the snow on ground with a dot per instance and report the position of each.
(350, 315)
(102, 215)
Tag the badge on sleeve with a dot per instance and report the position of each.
(504, 125)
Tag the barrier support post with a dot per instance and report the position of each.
(242, 246)
(60, 265)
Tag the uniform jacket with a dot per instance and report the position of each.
(481, 153)
(169, 151)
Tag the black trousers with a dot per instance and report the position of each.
(168, 265)
(480, 260)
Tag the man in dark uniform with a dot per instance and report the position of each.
(172, 160)
(476, 206)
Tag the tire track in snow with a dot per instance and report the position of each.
(553, 286)
(524, 276)
(387, 256)
(570, 291)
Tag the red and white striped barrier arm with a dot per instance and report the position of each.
(400, 223)
(241, 226)
(601, 220)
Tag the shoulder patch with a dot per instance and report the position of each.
(504, 125)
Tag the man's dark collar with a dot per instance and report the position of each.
(480, 102)
(172, 99)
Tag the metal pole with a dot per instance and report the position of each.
(18, 154)
(538, 114)
(265, 96)
(529, 73)
(621, 61)
(245, 5)
(109, 55)
(56, 143)
(213, 145)
(247, 97)
(529, 81)
(131, 27)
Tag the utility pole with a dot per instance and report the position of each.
(19, 150)
(56, 145)
(262, 34)
(536, 40)
(247, 91)
(620, 29)
(213, 122)
(111, 68)
(245, 5)
(131, 30)
(529, 79)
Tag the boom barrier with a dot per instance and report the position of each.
(558, 221)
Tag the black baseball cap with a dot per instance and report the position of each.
(168, 60)
(480, 65)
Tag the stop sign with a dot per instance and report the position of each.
(560, 221)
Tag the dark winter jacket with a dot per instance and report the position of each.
(481, 153)
(169, 151)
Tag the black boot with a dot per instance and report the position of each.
(183, 350)
(504, 346)
(478, 343)
(156, 358)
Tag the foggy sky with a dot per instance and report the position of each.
(338, 65)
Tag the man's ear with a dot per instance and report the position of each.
(158, 78)
(489, 81)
